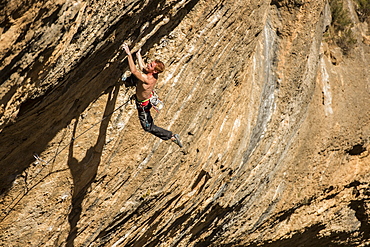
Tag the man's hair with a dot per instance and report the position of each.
(159, 67)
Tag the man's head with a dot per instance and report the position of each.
(155, 67)
(159, 67)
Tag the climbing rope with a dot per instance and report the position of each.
(19, 197)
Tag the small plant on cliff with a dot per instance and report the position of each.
(363, 10)
(339, 32)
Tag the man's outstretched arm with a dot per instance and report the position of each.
(132, 65)
(140, 59)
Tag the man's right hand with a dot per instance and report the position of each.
(127, 49)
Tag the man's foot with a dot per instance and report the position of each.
(176, 139)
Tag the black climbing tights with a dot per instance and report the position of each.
(147, 122)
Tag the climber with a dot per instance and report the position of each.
(147, 78)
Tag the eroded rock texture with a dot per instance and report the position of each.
(274, 121)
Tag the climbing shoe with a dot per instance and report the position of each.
(177, 140)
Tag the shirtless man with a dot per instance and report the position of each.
(147, 78)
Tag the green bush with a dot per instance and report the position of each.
(363, 10)
(339, 32)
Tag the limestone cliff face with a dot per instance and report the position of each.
(274, 121)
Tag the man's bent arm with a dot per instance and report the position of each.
(132, 65)
(140, 59)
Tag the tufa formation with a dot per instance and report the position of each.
(271, 99)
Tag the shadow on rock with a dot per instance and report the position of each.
(40, 119)
(84, 172)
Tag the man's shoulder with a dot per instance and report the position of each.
(151, 79)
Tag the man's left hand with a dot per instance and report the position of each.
(127, 49)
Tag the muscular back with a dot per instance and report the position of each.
(146, 80)
(145, 87)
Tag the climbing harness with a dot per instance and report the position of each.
(156, 102)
